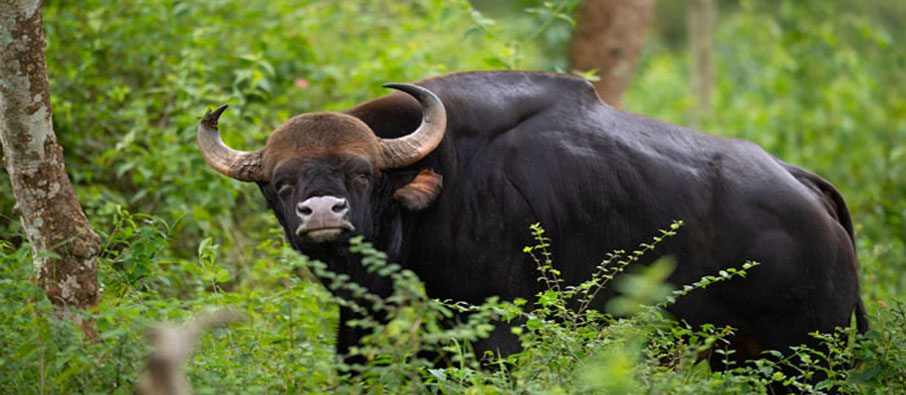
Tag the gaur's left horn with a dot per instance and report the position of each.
(406, 150)
(241, 165)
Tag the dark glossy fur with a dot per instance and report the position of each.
(525, 147)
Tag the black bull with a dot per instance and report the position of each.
(522, 147)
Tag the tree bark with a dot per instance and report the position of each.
(701, 15)
(608, 37)
(64, 247)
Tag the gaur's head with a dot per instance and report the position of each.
(324, 173)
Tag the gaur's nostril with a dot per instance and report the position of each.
(304, 209)
(339, 207)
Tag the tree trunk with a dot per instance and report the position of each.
(701, 15)
(608, 37)
(63, 245)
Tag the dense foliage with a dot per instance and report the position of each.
(816, 84)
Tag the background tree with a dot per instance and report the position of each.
(608, 37)
(700, 24)
(64, 246)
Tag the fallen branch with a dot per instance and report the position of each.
(165, 372)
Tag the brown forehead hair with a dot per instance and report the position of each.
(317, 135)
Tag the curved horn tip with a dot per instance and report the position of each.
(411, 89)
(210, 118)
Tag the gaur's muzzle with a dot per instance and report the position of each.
(323, 218)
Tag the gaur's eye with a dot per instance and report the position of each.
(283, 188)
(362, 176)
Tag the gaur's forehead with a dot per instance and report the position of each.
(331, 162)
(320, 135)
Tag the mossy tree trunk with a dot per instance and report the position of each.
(63, 244)
(608, 37)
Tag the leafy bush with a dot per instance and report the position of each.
(285, 343)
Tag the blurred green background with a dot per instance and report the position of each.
(820, 84)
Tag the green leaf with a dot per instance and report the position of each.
(222, 275)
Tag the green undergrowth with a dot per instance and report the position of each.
(285, 343)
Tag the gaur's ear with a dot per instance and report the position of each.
(421, 191)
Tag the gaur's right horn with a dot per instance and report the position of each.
(406, 150)
(241, 165)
